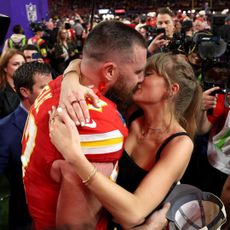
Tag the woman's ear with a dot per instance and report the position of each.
(174, 89)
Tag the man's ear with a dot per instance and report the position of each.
(25, 92)
(110, 72)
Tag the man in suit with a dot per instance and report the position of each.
(29, 80)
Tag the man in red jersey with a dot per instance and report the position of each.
(55, 194)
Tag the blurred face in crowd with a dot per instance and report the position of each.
(198, 26)
(13, 63)
(63, 34)
(40, 81)
(50, 25)
(40, 33)
(143, 32)
(178, 27)
(165, 21)
(32, 55)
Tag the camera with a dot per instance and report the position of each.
(217, 73)
(160, 31)
(180, 43)
(215, 68)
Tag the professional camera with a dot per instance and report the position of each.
(153, 32)
(215, 68)
(180, 43)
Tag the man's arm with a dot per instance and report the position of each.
(209, 102)
(76, 206)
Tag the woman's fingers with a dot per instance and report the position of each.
(93, 97)
(65, 118)
(76, 104)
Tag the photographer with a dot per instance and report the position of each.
(167, 39)
(164, 20)
(209, 166)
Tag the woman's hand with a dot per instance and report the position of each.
(73, 95)
(64, 134)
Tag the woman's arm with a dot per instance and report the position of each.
(73, 94)
(127, 208)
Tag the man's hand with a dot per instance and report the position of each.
(209, 100)
(157, 42)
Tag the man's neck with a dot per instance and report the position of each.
(87, 81)
(26, 104)
(89, 73)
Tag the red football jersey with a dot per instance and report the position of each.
(101, 140)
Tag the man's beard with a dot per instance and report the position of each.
(121, 95)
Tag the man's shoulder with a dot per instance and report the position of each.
(6, 121)
(17, 116)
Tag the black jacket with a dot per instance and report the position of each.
(9, 100)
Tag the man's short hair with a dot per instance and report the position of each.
(166, 10)
(24, 75)
(111, 37)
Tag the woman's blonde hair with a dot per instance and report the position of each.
(61, 29)
(175, 69)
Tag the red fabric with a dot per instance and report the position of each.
(41, 190)
(102, 223)
(219, 113)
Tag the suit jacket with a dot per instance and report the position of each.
(11, 130)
